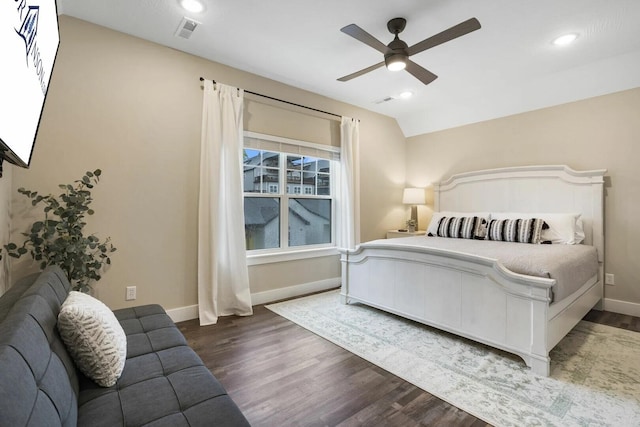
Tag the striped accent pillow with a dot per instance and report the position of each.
(94, 338)
(469, 227)
(495, 230)
(516, 230)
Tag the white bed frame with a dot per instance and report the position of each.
(476, 297)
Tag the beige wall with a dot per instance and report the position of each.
(601, 132)
(133, 109)
(5, 223)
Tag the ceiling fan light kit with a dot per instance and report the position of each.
(397, 53)
(395, 62)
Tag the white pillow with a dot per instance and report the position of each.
(579, 230)
(437, 216)
(94, 338)
(563, 228)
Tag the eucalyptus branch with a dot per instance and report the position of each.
(59, 239)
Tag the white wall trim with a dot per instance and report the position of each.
(294, 291)
(622, 307)
(190, 312)
(290, 255)
(181, 314)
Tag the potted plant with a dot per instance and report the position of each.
(60, 238)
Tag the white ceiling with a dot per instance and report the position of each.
(508, 66)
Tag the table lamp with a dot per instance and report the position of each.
(414, 197)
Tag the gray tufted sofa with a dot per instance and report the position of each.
(164, 382)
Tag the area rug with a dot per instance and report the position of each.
(595, 370)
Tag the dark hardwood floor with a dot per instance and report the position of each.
(280, 374)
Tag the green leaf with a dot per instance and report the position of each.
(59, 238)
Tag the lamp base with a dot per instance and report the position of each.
(414, 217)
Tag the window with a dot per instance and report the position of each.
(288, 194)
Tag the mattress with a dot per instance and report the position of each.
(571, 266)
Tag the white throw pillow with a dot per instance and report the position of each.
(94, 338)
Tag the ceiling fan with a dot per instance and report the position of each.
(397, 53)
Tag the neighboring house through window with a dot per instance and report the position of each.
(289, 200)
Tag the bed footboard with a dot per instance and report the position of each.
(468, 295)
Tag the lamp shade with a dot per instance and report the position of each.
(413, 196)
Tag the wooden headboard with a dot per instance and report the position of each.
(529, 189)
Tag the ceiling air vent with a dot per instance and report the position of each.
(186, 28)
(383, 100)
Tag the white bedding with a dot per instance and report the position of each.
(570, 265)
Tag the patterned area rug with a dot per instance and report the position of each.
(595, 370)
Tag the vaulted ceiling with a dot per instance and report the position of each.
(508, 66)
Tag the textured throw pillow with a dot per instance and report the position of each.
(432, 229)
(469, 227)
(94, 338)
(528, 230)
(495, 230)
(565, 229)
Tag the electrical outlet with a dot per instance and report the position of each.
(609, 279)
(131, 293)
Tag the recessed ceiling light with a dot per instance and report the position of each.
(406, 95)
(194, 6)
(565, 39)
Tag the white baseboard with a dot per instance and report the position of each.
(622, 307)
(181, 314)
(294, 291)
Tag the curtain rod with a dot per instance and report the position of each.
(286, 102)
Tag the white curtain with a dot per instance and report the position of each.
(223, 279)
(349, 235)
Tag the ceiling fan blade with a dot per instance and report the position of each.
(361, 72)
(422, 74)
(359, 34)
(452, 33)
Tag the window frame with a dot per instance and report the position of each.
(284, 147)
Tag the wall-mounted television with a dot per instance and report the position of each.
(29, 40)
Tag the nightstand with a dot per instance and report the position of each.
(395, 233)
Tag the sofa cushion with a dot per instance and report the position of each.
(38, 380)
(93, 337)
(164, 382)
